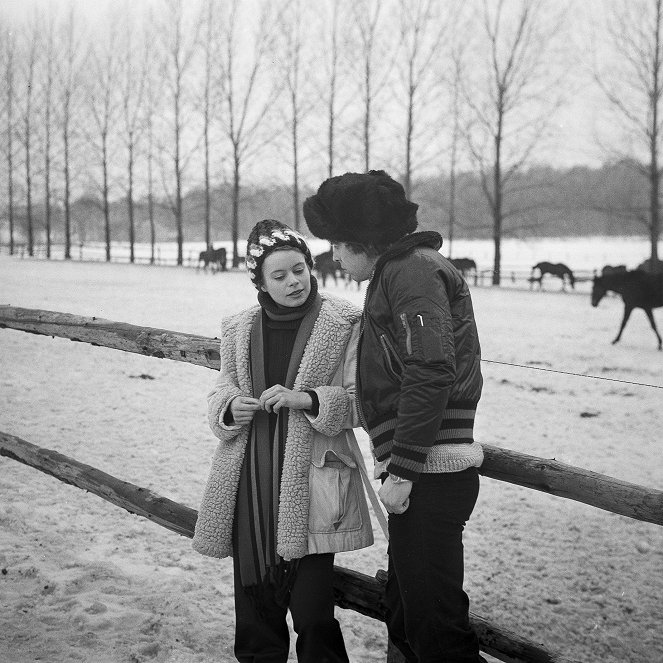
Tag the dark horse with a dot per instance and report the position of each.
(558, 269)
(325, 266)
(214, 257)
(637, 289)
(464, 266)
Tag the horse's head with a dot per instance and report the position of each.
(598, 290)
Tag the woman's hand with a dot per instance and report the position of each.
(276, 397)
(243, 408)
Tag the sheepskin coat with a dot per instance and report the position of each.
(322, 507)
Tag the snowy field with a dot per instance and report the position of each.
(581, 254)
(83, 580)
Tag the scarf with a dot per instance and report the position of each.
(259, 487)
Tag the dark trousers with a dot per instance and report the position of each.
(264, 638)
(427, 609)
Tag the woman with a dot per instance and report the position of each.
(284, 492)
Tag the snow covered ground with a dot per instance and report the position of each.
(84, 581)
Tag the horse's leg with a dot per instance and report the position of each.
(627, 314)
(650, 315)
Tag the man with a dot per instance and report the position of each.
(418, 385)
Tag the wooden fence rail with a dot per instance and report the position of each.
(352, 590)
(549, 476)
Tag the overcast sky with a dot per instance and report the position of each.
(575, 125)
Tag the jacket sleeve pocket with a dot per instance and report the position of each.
(426, 337)
(334, 502)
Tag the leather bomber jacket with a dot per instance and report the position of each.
(418, 376)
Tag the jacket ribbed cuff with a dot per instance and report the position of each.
(407, 460)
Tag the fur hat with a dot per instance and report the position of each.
(363, 208)
(266, 237)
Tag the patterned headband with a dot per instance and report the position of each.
(278, 238)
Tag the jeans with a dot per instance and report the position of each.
(265, 638)
(427, 609)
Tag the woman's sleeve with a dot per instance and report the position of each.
(218, 401)
(338, 409)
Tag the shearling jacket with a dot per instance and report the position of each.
(419, 357)
(322, 507)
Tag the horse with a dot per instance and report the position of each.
(558, 269)
(213, 257)
(325, 265)
(612, 269)
(464, 266)
(637, 289)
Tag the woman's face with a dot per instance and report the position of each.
(359, 265)
(286, 277)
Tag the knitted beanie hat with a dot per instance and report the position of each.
(266, 237)
(363, 208)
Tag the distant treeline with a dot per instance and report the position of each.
(544, 202)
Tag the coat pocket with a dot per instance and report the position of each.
(394, 362)
(334, 501)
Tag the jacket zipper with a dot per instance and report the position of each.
(360, 410)
(408, 333)
(391, 354)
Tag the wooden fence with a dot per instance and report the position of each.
(353, 590)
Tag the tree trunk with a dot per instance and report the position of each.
(654, 173)
(367, 117)
(10, 143)
(295, 159)
(10, 192)
(208, 198)
(235, 205)
(67, 191)
(452, 200)
(28, 164)
(130, 202)
(105, 193)
(497, 204)
(178, 192)
(47, 175)
(407, 184)
(150, 186)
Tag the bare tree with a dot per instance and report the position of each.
(294, 73)
(152, 94)
(180, 43)
(48, 30)
(248, 94)
(454, 81)
(373, 65)
(422, 30)
(150, 107)
(209, 101)
(633, 85)
(68, 81)
(31, 44)
(132, 79)
(333, 78)
(104, 108)
(9, 42)
(513, 98)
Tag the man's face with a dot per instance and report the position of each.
(358, 264)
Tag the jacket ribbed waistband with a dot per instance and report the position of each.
(457, 427)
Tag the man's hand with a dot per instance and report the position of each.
(395, 496)
(243, 408)
(276, 397)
